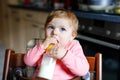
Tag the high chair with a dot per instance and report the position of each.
(14, 66)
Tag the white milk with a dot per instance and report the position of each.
(47, 67)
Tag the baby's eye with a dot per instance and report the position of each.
(63, 29)
(50, 27)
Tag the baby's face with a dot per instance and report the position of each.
(60, 29)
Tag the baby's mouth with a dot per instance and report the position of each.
(58, 43)
(56, 38)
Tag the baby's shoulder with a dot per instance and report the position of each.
(75, 41)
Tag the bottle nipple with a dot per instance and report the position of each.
(49, 47)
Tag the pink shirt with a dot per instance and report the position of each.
(73, 64)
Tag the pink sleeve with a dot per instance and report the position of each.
(33, 55)
(75, 59)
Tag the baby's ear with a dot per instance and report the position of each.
(74, 34)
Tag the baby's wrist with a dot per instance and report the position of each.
(65, 54)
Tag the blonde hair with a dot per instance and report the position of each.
(61, 13)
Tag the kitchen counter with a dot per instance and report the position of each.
(31, 8)
(84, 14)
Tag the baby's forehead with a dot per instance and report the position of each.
(61, 21)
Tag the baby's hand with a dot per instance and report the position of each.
(57, 52)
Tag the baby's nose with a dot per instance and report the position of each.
(55, 31)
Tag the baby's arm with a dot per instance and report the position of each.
(33, 55)
(75, 60)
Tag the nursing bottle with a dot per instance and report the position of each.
(47, 65)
